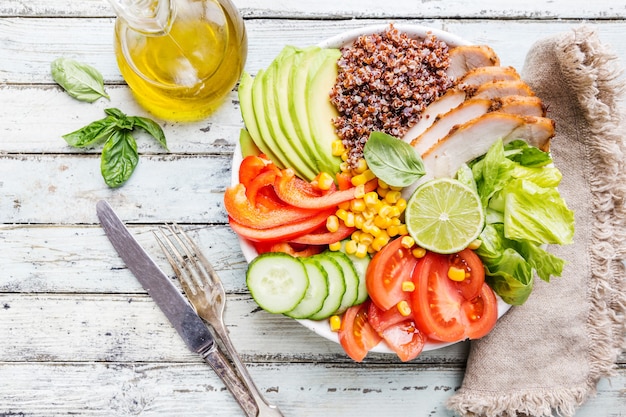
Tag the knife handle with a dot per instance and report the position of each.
(223, 369)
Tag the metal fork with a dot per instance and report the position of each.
(204, 290)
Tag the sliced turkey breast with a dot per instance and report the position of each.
(501, 89)
(466, 111)
(474, 138)
(483, 75)
(451, 99)
(467, 57)
(522, 105)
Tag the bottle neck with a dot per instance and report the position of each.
(151, 17)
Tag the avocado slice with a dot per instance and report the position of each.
(302, 79)
(247, 145)
(282, 98)
(287, 147)
(248, 113)
(321, 111)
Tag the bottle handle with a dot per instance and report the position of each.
(152, 17)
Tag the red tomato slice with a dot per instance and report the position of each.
(282, 233)
(356, 335)
(386, 272)
(440, 309)
(398, 331)
(245, 213)
(467, 259)
(436, 301)
(480, 313)
(300, 193)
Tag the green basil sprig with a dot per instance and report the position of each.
(119, 153)
(81, 81)
(392, 160)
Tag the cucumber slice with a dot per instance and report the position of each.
(350, 278)
(277, 281)
(360, 265)
(336, 287)
(317, 292)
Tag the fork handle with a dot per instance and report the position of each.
(223, 369)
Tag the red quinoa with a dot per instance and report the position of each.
(385, 81)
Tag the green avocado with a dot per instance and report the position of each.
(247, 145)
(321, 111)
(282, 98)
(276, 93)
(248, 113)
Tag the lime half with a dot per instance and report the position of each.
(444, 216)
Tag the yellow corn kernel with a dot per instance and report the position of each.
(404, 308)
(403, 230)
(351, 247)
(369, 175)
(361, 166)
(359, 219)
(382, 184)
(393, 196)
(418, 252)
(324, 181)
(359, 192)
(382, 192)
(366, 238)
(344, 166)
(384, 210)
(393, 230)
(371, 198)
(357, 205)
(396, 221)
(401, 204)
(358, 179)
(349, 220)
(371, 228)
(332, 223)
(394, 212)
(342, 214)
(408, 286)
(475, 244)
(335, 246)
(369, 215)
(337, 147)
(345, 156)
(456, 274)
(382, 222)
(407, 242)
(361, 250)
(380, 241)
(356, 235)
(335, 323)
(395, 188)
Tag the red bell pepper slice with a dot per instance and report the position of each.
(300, 193)
(250, 167)
(282, 233)
(324, 237)
(245, 213)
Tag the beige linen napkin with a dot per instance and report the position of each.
(547, 355)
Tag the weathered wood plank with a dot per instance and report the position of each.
(191, 389)
(27, 46)
(329, 9)
(163, 188)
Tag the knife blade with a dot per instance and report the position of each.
(176, 308)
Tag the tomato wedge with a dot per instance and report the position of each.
(300, 193)
(245, 213)
(399, 332)
(356, 335)
(467, 260)
(440, 309)
(387, 270)
(282, 233)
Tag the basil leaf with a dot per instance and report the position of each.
(121, 120)
(392, 160)
(152, 128)
(81, 81)
(92, 133)
(119, 158)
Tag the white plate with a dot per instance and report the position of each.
(249, 252)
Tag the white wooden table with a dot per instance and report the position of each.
(79, 336)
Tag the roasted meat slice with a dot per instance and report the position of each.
(467, 57)
(522, 105)
(466, 111)
(483, 75)
(451, 99)
(501, 89)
